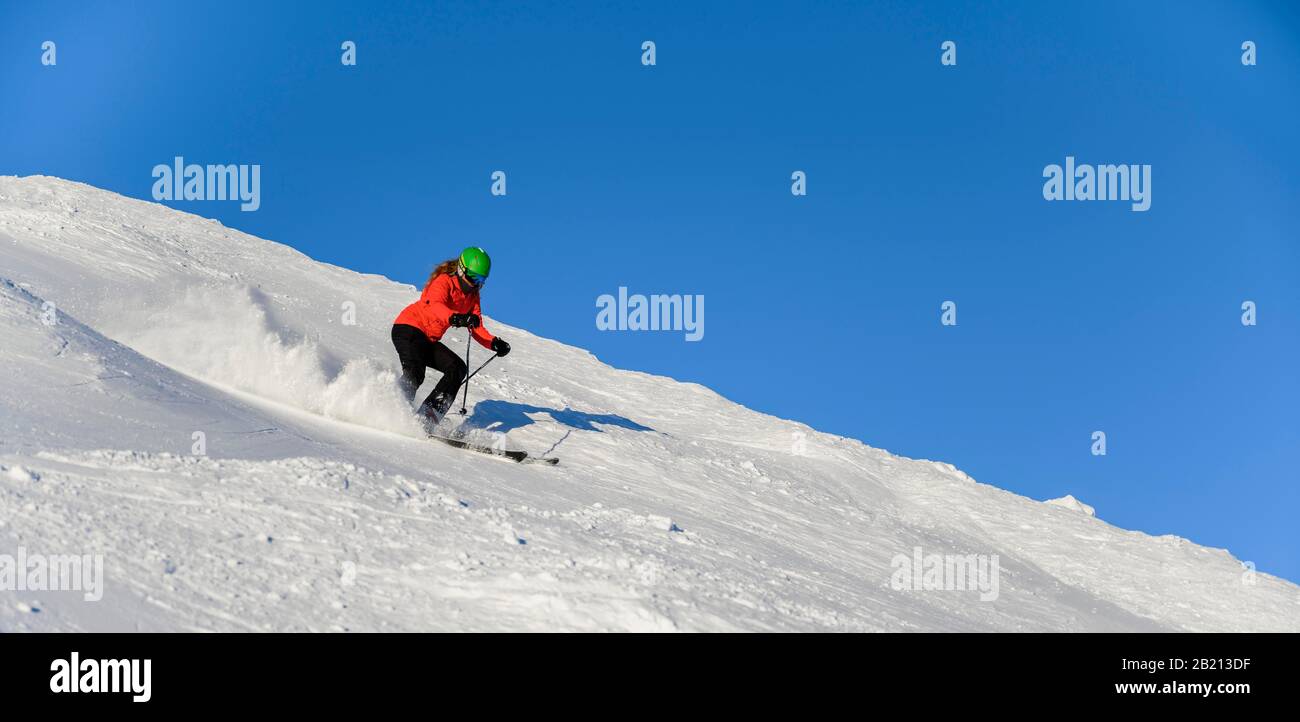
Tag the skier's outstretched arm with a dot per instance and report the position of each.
(481, 334)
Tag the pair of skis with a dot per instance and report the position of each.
(519, 457)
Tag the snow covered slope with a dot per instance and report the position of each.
(132, 331)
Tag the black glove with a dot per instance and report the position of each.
(501, 347)
(465, 320)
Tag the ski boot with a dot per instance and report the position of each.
(433, 411)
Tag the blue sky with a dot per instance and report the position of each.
(924, 185)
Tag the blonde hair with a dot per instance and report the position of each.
(447, 267)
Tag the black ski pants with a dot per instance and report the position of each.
(417, 352)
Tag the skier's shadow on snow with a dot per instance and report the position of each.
(509, 416)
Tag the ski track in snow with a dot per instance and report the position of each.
(318, 507)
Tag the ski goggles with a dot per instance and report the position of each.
(475, 279)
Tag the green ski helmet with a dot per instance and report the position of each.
(475, 265)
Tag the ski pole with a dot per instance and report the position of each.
(469, 335)
(480, 368)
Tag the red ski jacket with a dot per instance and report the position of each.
(441, 298)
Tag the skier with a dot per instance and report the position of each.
(450, 298)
